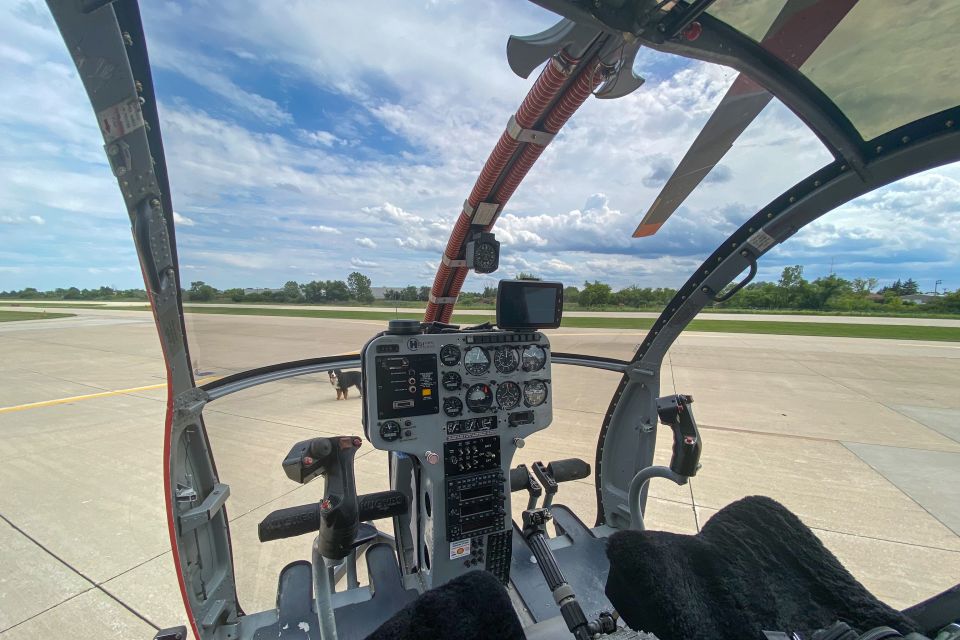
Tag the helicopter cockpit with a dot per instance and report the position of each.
(460, 539)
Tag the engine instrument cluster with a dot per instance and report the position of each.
(459, 403)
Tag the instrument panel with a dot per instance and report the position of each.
(460, 403)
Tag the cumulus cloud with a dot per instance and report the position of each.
(290, 148)
(366, 242)
(182, 220)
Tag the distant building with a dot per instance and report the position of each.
(919, 298)
(247, 292)
(380, 293)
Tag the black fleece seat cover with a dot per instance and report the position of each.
(754, 566)
(474, 606)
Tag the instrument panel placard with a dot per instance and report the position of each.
(407, 385)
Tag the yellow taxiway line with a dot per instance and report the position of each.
(90, 396)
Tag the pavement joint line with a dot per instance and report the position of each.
(258, 419)
(93, 583)
(89, 396)
(881, 403)
(50, 608)
(896, 486)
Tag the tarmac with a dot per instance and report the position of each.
(859, 437)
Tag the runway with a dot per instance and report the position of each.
(859, 437)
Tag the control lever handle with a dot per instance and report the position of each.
(305, 518)
(547, 480)
(331, 458)
(675, 412)
(568, 469)
(521, 478)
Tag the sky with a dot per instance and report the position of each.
(308, 140)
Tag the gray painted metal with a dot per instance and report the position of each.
(279, 374)
(322, 589)
(101, 48)
(587, 361)
(526, 53)
(639, 483)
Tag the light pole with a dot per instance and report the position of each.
(935, 285)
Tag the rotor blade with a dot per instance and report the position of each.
(799, 28)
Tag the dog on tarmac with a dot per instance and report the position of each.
(343, 380)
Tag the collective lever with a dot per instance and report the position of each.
(534, 532)
(331, 458)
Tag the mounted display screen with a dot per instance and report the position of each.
(529, 304)
(407, 386)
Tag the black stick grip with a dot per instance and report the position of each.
(518, 478)
(290, 522)
(296, 521)
(382, 504)
(569, 469)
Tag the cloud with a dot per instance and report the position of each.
(392, 213)
(288, 147)
(5, 219)
(322, 138)
(366, 242)
(182, 220)
(357, 262)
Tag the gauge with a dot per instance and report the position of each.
(508, 395)
(450, 355)
(533, 358)
(476, 361)
(479, 398)
(534, 393)
(506, 359)
(452, 406)
(452, 381)
(390, 430)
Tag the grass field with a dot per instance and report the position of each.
(893, 332)
(825, 329)
(14, 316)
(55, 305)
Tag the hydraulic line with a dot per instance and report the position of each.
(543, 93)
(449, 280)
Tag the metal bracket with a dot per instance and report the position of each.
(449, 300)
(530, 136)
(197, 516)
(450, 262)
(189, 404)
(171, 633)
(484, 213)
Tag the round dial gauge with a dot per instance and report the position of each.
(534, 393)
(479, 398)
(476, 361)
(451, 381)
(506, 359)
(533, 358)
(485, 257)
(450, 355)
(508, 395)
(452, 406)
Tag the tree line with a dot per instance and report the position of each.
(791, 292)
